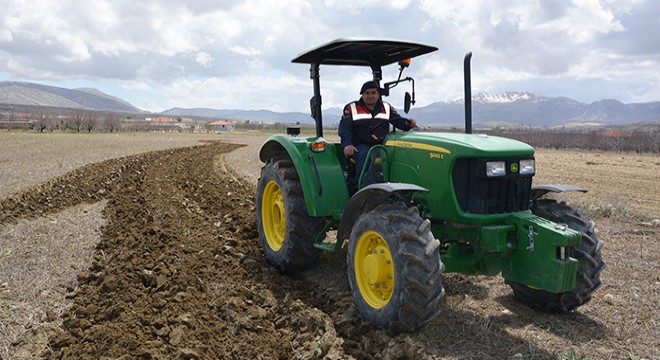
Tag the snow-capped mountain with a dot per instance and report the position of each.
(504, 98)
(529, 109)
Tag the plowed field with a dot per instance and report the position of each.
(155, 255)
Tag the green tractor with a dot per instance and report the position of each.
(426, 203)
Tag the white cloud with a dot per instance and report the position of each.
(353, 6)
(158, 49)
(244, 92)
(584, 21)
(204, 59)
(249, 51)
(137, 85)
(5, 35)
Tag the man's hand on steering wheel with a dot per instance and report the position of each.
(412, 123)
(350, 150)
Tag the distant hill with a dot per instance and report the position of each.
(23, 93)
(507, 109)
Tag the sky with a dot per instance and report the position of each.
(223, 54)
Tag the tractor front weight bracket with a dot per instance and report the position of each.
(540, 259)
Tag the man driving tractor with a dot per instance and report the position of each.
(365, 123)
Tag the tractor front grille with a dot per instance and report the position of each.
(479, 194)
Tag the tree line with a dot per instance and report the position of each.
(78, 120)
(640, 139)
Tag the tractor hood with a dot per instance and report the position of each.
(459, 144)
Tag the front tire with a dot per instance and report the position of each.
(394, 268)
(588, 254)
(286, 231)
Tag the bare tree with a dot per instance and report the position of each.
(111, 121)
(62, 123)
(90, 120)
(44, 119)
(655, 140)
(76, 120)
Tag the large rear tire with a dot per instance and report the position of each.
(286, 231)
(588, 254)
(394, 268)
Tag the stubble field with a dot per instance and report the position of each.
(145, 246)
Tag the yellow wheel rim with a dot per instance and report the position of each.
(374, 269)
(273, 215)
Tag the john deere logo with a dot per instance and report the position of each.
(514, 167)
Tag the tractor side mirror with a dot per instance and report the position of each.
(406, 102)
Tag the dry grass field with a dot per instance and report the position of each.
(145, 246)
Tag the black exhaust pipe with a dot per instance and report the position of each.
(468, 93)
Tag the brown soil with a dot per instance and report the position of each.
(178, 274)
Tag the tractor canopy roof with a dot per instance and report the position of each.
(363, 52)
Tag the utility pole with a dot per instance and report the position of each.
(9, 110)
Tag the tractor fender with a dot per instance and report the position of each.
(368, 198)
(320, 173)
(540, 190)
(278, 146)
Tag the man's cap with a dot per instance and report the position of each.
(369, 85)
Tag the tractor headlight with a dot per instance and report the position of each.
(495, 168)
(527, 167)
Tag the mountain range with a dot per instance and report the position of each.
(507, 109)
(528, 109)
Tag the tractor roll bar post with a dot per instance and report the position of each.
(315, 102)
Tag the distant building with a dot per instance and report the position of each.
(17, 121)
(222, 125)
(615, 133)
(162, 120)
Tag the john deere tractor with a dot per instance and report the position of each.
(426, 203)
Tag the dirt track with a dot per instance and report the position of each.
(178, 273)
